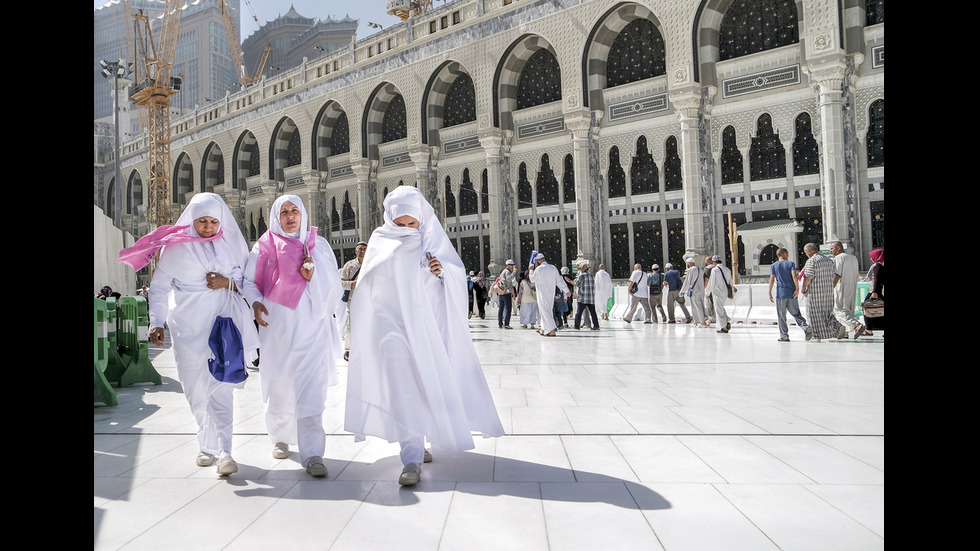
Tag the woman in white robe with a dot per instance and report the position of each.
(414, 373)
(294, 285)
(202, 256)
(603, 291)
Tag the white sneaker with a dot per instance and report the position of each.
(427, 457)
(227, 466)
(281, 450)
(411, 475)
(205, 459)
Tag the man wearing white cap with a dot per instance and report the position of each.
(506, 283)
(603, 291)
(546, 278)
(693, 289)
(639, 296)
(718, 287)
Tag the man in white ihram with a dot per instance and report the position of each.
(545, 278)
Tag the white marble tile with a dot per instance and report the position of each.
(540, 420)
(398, 518)
(531, 459)
(716, 420)
(656, 420)
(494, 516)
(664, 459)
(593, 515)
(597, 459)
(865, 503)
(818, 461)
(598, 420)
(739, 461)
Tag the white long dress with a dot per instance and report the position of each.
(413, 369)
(603, 291)
(545, 278)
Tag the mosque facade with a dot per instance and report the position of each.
(616, 131)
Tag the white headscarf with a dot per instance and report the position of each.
(226, 255)
(276, 227)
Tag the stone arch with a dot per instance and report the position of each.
(331, 134)
(707, 35)
(183, 179)
(284, 149)
(600, 42)
(134, 193)
(212, 168)
(374, 113)
(508, 73)
(444, 79)
(245, 160)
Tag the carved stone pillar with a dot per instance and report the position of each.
(426, 159)
(690, 106)
(584, 128)
(368, 217)
(837, 211)
(500, 200)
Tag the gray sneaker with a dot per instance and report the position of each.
(427, 457)
(205, 459)
(316, 467)
(227, 466)
(281, 450)
(809, 332)
(411, 475)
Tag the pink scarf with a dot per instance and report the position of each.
(139, 254)
(277, 268)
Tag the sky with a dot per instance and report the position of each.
(365, 11)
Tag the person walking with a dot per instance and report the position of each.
(527, 302)
(782, 274)
(348, 279)
(603, 291)
(547, 282)
(585, 284)
(481, 293)
(293, 283)
(567, 307)
(693, 291)
(200, 273)
(876, 276)
(655, 284)
(722, 292)
(818, 288)
(506, 286)
(639, 293)
(845, 289)
(672, 280)
(414, 373)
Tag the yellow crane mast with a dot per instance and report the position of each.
(155, 84)
(236, 51)
(407, 8)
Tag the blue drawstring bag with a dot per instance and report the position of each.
(228, 363)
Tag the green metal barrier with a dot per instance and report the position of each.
(134, 344)
(116, 366)
(864, 289)
(103, 389)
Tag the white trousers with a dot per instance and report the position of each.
(214, 422)
(721, 310)
(413, 450)
(308, 434)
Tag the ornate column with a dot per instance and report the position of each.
(790, 185)
(426, 159)
(837, 210)
(746, 152)
(584, 127)
(368, 216)
(501, 199)
(691, 105)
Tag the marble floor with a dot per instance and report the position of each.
(637, 436)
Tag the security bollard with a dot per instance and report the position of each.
(134, 344)
(115, 367)
(103, 389)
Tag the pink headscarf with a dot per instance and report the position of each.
(878, 255)
(280, 255)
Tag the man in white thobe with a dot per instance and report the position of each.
(693, 289)
(717, 289)
(545, 278)
(845, 289)
(603, 291)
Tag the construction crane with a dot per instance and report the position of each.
(236, 51)
(155, 84)
(407, 8)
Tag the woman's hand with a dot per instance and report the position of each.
(435, 266)
(307, 273)
(259, 309)
(218, 281)
(156, 336)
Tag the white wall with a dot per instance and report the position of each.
(108, 241)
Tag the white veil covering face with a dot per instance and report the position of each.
(413, 369)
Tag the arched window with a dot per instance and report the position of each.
(767, 255)
(876, 134)
(450, 199)
(293, 153)
(617, 176)
(460, 106)
(767, 157)
(875, 10)
(806, 157)
(672, 166)
(347, 219)
(393, 126)
(644, 174)
(751, 26)
(540, 80)
(524, 197)
(334, 215)
(731, 158)
(340, 136)
(468, 201)
(547, 184)
(637, 53)
(568, 181)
